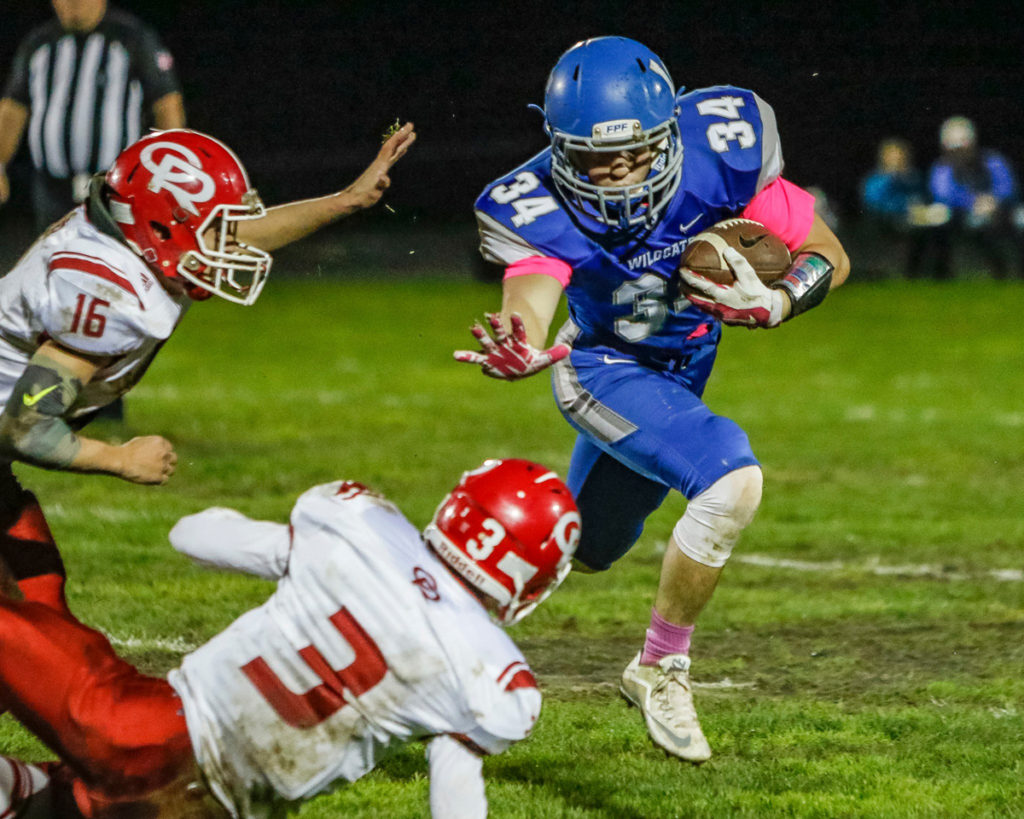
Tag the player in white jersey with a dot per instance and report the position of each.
(86, 309)
(376, 635)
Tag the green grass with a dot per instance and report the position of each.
(891, 430)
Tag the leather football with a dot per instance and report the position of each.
(765, 251)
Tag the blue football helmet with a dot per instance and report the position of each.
(612, 94)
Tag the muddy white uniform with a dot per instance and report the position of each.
(368, 642)
(90, 293)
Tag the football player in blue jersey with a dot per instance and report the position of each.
(634, 170)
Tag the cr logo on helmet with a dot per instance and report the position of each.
(178, 166)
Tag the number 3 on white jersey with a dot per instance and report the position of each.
(527, 210)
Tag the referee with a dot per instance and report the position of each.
(85, 86)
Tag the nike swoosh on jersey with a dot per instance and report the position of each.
(609, 360)
(691, 223)
(32, 400)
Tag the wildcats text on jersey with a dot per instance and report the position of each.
(651, 257)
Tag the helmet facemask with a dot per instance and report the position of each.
(223, 266)
(620, 206)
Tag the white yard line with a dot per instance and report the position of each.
(150, 643)
(873, 566)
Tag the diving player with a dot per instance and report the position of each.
(634, 170)
(375, 636)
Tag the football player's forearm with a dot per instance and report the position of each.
(825, 243)
(32, 425)
(98, 457)
(285, 224)
(535, 298)
(49, 442)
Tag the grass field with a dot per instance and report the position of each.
(863, 655)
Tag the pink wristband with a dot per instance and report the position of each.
(544, 265)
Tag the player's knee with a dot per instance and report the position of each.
(742, 490)
(714, 519)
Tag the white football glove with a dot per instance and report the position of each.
(747, 303)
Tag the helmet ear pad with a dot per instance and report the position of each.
(508, 530)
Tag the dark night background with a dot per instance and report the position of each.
(303, 90)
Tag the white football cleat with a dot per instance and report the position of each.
(663, 694)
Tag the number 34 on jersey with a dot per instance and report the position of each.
(527, 208)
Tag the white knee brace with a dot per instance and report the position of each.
(714, 519)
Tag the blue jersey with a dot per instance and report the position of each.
(623, 293)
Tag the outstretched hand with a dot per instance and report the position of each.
(509, 356)
(367, 190)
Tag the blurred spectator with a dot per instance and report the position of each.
(895, 185)
(980, 189)
(894, 198)
(84, 85)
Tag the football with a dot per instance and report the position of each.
(765, 251)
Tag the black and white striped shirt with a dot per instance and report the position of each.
(89, 95)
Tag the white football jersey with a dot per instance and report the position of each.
(368, 642)
(92, 294)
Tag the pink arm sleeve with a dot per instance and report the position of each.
(545, 265)
(785, 209)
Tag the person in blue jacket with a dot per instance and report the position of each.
(979, 187)
(897, 205)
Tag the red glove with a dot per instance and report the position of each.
(509, 357)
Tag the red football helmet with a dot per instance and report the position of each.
(178, 197)
(509, 529)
